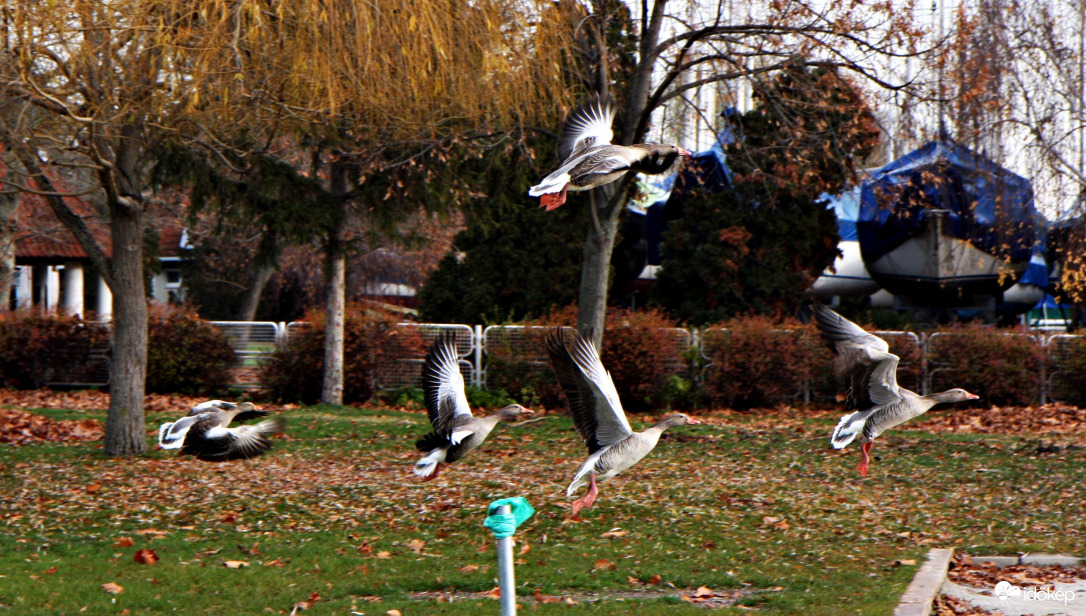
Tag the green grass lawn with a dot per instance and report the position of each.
(750, 504)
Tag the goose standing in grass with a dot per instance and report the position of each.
(456, 430)
(589, 160)
(205, 432)
(598, 416)
(877, 401)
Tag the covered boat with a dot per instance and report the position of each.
(947, 225)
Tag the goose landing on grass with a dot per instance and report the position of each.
(205, 432)
(877, 401)
(598, 417)
(456, 430)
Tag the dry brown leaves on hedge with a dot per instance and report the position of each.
(978, 574)
(946, 605)
(19, 427)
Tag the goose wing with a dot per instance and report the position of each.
(863, 358)
(443, 386)
(587, 127)
(209, 440)
(212, 405)
(590, 393)
(172, 435)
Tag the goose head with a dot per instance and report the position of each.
(677, 419)
(953, 395)
(513, 411)
(658, 158)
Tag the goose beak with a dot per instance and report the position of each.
(683, 152)
(528, 411)
(691, 420)
(969, 396)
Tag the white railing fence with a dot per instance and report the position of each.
(254, 343)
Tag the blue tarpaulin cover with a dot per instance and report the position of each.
(988, 205)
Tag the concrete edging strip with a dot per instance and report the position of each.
(921, 593)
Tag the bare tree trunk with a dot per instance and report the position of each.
(332, 390)
(251, 301)
(125, 428)
(8, 203)
(596, 268)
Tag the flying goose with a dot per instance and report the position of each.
(205, 432)
(598, 416)
(877, 401)
(589, 159)
(456, 430)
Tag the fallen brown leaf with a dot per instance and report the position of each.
(113, 588)
(235, 564)
(145, 556)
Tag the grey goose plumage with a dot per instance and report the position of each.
(456, 431)
(206, 433)
(590, 160)
(876, 400)
(597, 415)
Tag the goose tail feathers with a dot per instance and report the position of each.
(427, 466)
(850, 426)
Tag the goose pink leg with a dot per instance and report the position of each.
(864, 449)
(586, 501)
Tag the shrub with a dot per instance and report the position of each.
(757, 362)
(999, 365)
(371, 338)
(643, 351)
(185, 354)
(36, 349)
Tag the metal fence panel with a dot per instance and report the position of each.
(1058, 355)
(408, 372)
(254, 343)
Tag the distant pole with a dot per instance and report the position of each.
(506, 581)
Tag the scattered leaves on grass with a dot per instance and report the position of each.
(468, 569)
(603, 564)
(113, 588)
(614, 533)
(235, 564)
(416, 545)
(124, 542)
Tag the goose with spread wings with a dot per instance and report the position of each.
(598, 416)
(590, 160)
(206, 433)
(876, 400)
(456, 430)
